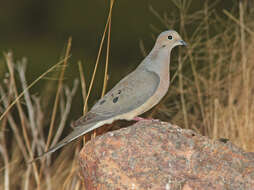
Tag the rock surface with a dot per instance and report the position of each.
(157, 155)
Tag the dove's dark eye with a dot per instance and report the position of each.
(170, 37)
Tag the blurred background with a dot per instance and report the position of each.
(39, 30)
(211, 90)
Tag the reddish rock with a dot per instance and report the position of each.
(157, 155)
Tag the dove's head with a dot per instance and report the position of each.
(169, 39)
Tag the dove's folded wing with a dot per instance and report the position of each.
(129, 94)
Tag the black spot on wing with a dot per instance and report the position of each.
(84, 119)
(115, 99)
(102, 102)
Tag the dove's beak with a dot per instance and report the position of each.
(183, 43)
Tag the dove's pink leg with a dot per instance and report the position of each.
(138, 118)
(144, 119)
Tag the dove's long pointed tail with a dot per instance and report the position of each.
(77, 132)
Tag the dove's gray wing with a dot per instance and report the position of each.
(131, 93)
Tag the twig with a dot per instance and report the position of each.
(60, 83)
(29, 86)
(238, 22)
(83, 85)
(6, 170)
(245, 73)
(8, 57)
(39, 119)
(21, 67)
(27, 178)
(9, 60)
(107, 54)
(184, 107)
(69, 95)
(142, 48)
(13, 126)
(98, 57)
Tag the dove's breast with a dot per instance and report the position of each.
(154, 99)
(159, 93)
(160, 68)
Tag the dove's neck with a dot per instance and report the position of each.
(158, 61)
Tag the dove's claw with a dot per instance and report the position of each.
(144, 119)
(138, 119)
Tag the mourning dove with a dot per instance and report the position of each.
(134, 94)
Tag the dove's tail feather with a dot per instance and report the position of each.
(77, 132)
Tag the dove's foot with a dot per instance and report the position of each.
(144, 119)
(138, 119)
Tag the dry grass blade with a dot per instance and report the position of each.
(22, 116)
(245, 71)
(30, 86)
(238, 22)
(14, 127)
(183, 101)
(220, 63)
(4, 153)
(60, 83)
(21, 67)
(65, 110)
(16, 101)
(107, 54)
(99, 53)
(83, 85)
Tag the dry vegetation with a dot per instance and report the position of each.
(211, 93)
(214, 87)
